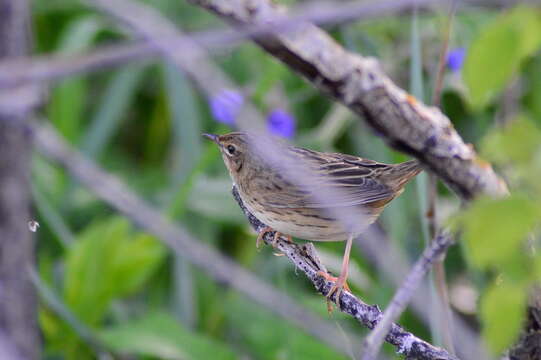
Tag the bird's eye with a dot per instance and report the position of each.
(231, 149)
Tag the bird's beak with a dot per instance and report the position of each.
(212, 137)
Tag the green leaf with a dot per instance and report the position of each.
(159, 335)
(502, 313)
(66, 108)
(107, 261)
(495, 229)
(497, 52)
(532, 97)
(272, 338)
(134, 262)
(112, 109)
(185, 120)
(518, 142)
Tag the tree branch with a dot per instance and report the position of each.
(403, 295)
(359, 83)
(305, 258)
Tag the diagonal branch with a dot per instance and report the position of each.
(368, 315)
(359, 83)
(403, 295)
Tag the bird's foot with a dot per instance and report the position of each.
(277, 235)
(261, 236)
(336, 289)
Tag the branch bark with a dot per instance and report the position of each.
(18, 307)
(305, 258)
(403, 295)
(359, 83)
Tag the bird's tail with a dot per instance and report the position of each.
(401, 173)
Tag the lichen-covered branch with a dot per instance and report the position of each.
(305, 258)
(359, 83)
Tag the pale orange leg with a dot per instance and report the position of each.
(260, 236)
(339, 282)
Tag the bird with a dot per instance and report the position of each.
(337, 184)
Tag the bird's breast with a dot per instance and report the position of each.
(315, 224)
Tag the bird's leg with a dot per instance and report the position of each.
(340, 281)
(261, 235)
(275, 238)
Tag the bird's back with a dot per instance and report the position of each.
(338, 185)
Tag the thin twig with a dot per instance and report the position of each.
(378, 249)
(403, 295)
(116, 194)
(443, 303)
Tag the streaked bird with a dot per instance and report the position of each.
(338, 184)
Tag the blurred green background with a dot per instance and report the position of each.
(109, 288)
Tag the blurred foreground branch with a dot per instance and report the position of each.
(403, 295)
(358, 82)
(58, 66)
(116, 194)
(305, 258)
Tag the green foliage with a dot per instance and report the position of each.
(517, 144)
(502, 314)
(516, 148)
(498, 232)
(494, 238)
(67, 104)
(272, 338)
(106, 262)
(498, 51)
(159, 335)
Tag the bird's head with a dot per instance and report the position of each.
(234, 149)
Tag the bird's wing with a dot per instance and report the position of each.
(339, 180)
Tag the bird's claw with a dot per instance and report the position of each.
(275, 238)
(336, 289)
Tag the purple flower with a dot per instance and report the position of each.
(281, 123)
(226, 105)
(455, 59)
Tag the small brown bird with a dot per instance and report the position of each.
(341, 184)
